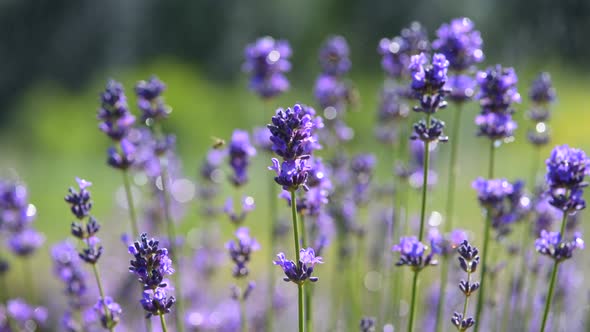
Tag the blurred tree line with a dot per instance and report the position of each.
(69, 41)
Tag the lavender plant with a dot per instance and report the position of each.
(566, 170)
(85, 230)
(468, 260)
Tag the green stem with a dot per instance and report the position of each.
(466, 303)
(163, 323)
(243, 316)
(272, 199)
(486, 240)
(553, 277)
(27, 265)
(424, 183)
(296, 240)
(130, 205)
(449, 213)
(308, 290)
(101, 292)
(413, 301)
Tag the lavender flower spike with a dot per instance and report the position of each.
(460, 43)
(301, 272)
(334, 58)
(550, 244)
(240, 250)
(566, 169)
(116, 120)
(240, 151)
(149, 99)
(412, 253)
(267, 60)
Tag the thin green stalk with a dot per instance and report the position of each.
(171, 228)
(424, 183)
(308, 289)
(27, 265)
(449, 213)
(486, 240)
(413, 302)
(243, 316)
(3, 289)
(296, 240)
(466, 303)
(101, 292)
(130, 205)
(272, 199)
(163, 323)
(553, 277)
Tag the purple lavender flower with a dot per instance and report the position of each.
(492, 192)
(396, 52)
(122, 157)
(331, 91)
(25, 242)
(497, 89)
(367, 324)
(551, 244)
(247, 206)
(261, 137)
(460, 43)
(495, 126)
(542, 91)
(292, 132)
(116, 120)
(428, 81)
(462, 88)
(149, 99)
(240, 151)
(25, 315)
(391, 107)
(301, 272)
(80, 200)
(362, 167)
(267, 61)
(319, 188)
(113, 312)
(240, 250)
(566, 169)
(16, 214)
(334, 58)
(291, 174)
(151, 264)
(412, 253)
(468, 260)
(429, 133)
(67, 267)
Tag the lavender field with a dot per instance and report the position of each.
(439, 190)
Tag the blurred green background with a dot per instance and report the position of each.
(56, 56)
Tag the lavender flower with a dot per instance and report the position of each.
(462, 88)
(240, 250)
(396, 52)
(497, 92)
(367, 324)
(492, 193)
(26, 242)
(149, 99)
(26, 316)
(428, 81)
(331, 91)
(550, 244)
(299, 272)
(362, 167)
(542, 91)
(566, 169)
(291, 174)
(412, 253)
(460, 43)
(240, 151)
(67, 267)
(16, 213)
(246, 207)
(151, 264)
(261, 137)
(431, 132)
(123, 157)
(116, 120)
(468, 260)
(267, 61)
(334, 58)
(292, 132)
(108, 311)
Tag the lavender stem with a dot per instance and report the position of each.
(424, 182)
(486, 240)
(553, 277)
(130, 204)
(101, 292)
(272, 202)
(413, 301)
(296, 240)
(163, 323)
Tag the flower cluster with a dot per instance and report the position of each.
(116, 122)
(396, 52)
(497, 92)
(566, 169)
(468, 260)
(334, 58)
(551, 244)
(267, 60)
(367, 324)
(108, 312)
(16, 218)
(240, 250)
(149, 99)
(301, 271)
(23, 316)
(240, 151)
(151, 264)
(293, 138)
(445, 244)
(67, 267)
(247, 206)
(87, 226)
(506, 202)
(413, 253)
(542, 95)
(460, 43)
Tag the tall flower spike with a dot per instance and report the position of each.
(413, 253)
(460, 43)
(240, 151)
(551, 244)
(149, 99)
(116, 120)
(151, 264)
(468, 261)
(240, 250)
(301, 272)
(334, 58)
(267, 60)
(566, 169)
(396, 52)
(428, 81)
